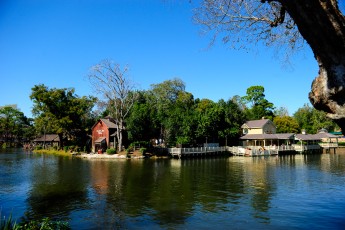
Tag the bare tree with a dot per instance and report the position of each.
(117, 92)
(291, 22)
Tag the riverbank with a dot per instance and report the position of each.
(107, 156)
(122, 155)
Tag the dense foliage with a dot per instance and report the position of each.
(166, 114)
(62, 112)
(15, 127)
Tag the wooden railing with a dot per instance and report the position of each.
(198, 150)
(248, 150)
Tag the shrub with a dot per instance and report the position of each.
(111, 151)
(4, 146)
(38, 147)
(66, 149)
(143, 150)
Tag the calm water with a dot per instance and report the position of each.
(290, 192)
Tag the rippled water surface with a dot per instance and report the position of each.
(285, 192)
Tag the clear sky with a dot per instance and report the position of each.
(56, 42)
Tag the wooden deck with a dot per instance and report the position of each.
(248, 150)
(197, 152)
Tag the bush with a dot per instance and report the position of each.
(143, 150)
(111, 151)
(4, 146)
(38, 147)
(66, 149)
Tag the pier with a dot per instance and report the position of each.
(250, 150)
(198, 151)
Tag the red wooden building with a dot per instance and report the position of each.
(103, 134)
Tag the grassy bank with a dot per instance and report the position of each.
(53, 152)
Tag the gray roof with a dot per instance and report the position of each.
(277, 136)
(47, 137)
(255, 123)
(318, 136)
(108, 123)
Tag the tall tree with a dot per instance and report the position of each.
(312, 120)
(288, 22)
(260, 106)
(61, 111)
(117, 93)
(14, 126)
(164, 97)
(142, 122)
(286, 124)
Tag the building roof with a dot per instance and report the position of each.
(107, 121)
(100, 140)
(48, 138)
(256, 123)
(318, 136)
(277, 136)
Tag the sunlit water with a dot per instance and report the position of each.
(286, 192)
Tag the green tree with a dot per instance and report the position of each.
(15, 127)
(281, 111)
(209, 115)
(259, 105)
(286, 124)
(230, 121)
(164, 98)
(312, 120)
(61, 111)
(320, 121)
(142, 124)
(303, 118)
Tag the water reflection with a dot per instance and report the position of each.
(58, 186)
(234, 192)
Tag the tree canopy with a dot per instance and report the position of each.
(15, 127)
(61, 111)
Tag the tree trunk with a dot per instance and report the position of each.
(119, 130)
(323, 27)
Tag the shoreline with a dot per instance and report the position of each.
(91, 156)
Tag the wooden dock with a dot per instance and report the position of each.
(248, 150)
(198, 151)
(253, 151)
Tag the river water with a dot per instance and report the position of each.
(281, 192)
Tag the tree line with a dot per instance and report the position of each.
(165, 112)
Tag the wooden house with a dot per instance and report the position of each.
(47, 140)
(260, 136)
(263, 126)
(103, 135)
(263, 133)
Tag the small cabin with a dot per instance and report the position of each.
(103, 135)
(47, 140)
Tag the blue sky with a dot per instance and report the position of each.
(56, 42)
